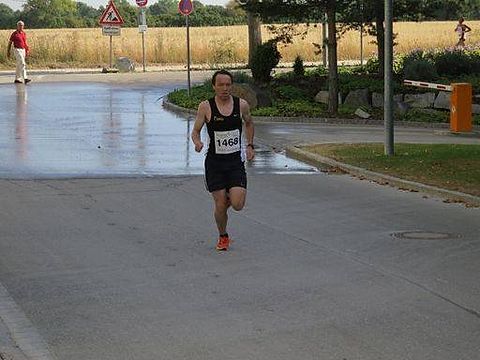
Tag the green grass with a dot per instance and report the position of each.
(448, 166)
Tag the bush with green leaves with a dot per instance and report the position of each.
(289, 92)
(265, 57)
(454, 62)
(298, 68)
(197, 94)
(420, 69)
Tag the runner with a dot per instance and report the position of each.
(461, 29)
(225, 174)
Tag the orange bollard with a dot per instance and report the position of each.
(461, 108)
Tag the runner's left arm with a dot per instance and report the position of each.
(249, 128)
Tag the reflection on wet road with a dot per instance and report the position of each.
(88, 130)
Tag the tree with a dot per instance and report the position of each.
(50, 13)
(6, 17)
(296, 11)
(88, 14)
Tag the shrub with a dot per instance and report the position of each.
(320, 70)
(420, 69)
(453, 62)
(372, 66)
(289, 92)
(298, 68)
(265, 57)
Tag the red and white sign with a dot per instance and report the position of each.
(185, 7)
(141, 3)
(111, 16)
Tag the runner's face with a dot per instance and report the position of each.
(223, 86)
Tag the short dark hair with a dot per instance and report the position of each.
(221, 72)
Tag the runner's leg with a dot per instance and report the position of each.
(237, 197)
(221, 206)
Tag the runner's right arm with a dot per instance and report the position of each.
(197, 127)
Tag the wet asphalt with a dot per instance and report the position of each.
(81, 129)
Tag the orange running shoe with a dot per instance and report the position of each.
(223, 243)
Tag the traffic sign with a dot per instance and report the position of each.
(111, 30)
(141, 3)
(111, 16)
(185, 7)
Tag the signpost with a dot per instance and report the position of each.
(142, 26)
(185, 7)
(111, 22)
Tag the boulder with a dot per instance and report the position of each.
(377, 99)
(254, 95)
(400, 107)
(246, 92)
(475, 109)
(420, 100)
(124, 64)
(362, 113)
(442, 101)
(322, 97)
(358, 97)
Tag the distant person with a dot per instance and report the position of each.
(225, 177)
(461, 30)
(19, 41)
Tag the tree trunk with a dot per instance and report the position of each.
(254, 34)
(379, 20)
(332, 58)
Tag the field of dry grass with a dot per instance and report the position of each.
(210, 45)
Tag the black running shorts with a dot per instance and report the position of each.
(224, 174)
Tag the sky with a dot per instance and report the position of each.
(17, 4)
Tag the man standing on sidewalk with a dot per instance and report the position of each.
(225, 175)
(19, 41)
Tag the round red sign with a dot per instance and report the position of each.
(185, 7)
(141, 3)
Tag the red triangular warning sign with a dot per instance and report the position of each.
(111, 16)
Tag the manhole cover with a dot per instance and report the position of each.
(424, 235)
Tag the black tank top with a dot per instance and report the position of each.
(225, 133)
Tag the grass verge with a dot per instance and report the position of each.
(448, 166)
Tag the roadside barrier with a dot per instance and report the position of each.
(460, 103)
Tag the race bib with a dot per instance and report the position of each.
(227, 142)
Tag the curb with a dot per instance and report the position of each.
(322, 161)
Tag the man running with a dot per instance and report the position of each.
(225, 174)
(461, 29)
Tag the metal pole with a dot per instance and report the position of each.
(388, 79)
(361, 44)
(111, 50)
(188, 54)
(324, 41)
(143, 50)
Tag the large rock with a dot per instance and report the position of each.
(475, 109)
(362, 113)
(246, 92)
(358, 97)
(442, 101)
(124, 64)
(322, 97)
(420, 100)
(377, 99)
(255, 96)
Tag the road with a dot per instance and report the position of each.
(112, 263)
